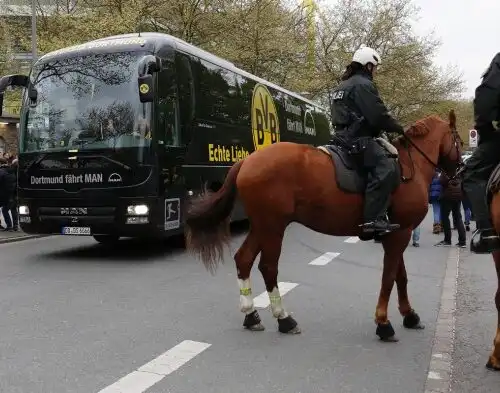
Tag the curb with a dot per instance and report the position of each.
(20, 238)
(440, 368)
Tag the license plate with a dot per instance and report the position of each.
(76, 231)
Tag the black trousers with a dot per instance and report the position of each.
(479, 167)
(383, 178)
(12, 207)
(453, 207)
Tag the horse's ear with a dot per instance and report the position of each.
(453, 120)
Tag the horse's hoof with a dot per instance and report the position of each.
(295, 330)
(252, 322)
(412, 321)
(386, 332)
(493, 364)
(256, 328)
(288, 325)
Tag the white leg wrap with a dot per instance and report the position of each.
(246, 299)
(276, 305)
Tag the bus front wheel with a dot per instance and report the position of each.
(107, 239)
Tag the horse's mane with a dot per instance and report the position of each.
(421, 127)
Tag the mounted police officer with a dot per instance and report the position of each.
(359, 115)
(484, 158)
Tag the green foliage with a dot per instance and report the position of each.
(5, 48)
(407, 79)
(272, 39)
(12, 98)
(465, 115)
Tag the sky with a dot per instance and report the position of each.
(469, 31)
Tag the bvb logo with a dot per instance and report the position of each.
(144, 88)
(265, 123)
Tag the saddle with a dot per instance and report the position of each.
(493, 184)
(350, 177)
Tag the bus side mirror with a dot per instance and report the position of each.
(11, 80)
(156, 65)
(146, 88)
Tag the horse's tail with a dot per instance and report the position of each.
(207, 221)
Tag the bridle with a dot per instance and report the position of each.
(438, 165)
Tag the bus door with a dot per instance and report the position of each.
(171, 148)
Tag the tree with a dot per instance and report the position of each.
(266, 38)
(5, 48)
(70, 22)
(464, 111)
(12, 97)
(407, 79)
(272, 39)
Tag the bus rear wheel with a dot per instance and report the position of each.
(107, 239)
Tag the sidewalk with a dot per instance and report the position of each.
(476, 321)
(13, 236)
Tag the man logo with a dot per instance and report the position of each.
(309, 126)
(265, 122)
(114, 178)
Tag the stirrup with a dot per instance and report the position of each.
(369, 227)
(484, 244)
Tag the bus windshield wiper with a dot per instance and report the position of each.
(37, 161)
(96, 139)
(125, 166)
(117, 162)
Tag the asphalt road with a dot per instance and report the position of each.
(77, 317)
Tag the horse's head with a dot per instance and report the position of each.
(438, 142)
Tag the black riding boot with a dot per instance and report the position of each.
(484, 240)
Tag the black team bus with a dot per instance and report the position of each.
(115, 134)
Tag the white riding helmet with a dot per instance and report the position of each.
(365, 55)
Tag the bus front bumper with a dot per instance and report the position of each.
(124, 217)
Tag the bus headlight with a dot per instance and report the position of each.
(137, 210)
(24, 210)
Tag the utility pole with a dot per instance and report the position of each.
(310, 8)
(33, 32)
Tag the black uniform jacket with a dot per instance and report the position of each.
(487, 102)
(358, 97)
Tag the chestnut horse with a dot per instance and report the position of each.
(288, 182)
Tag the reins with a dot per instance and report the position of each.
(435, 165)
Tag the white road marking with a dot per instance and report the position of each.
(324, 259)
(262, 301)
(433, 375)
(352, 239)
(153, 372)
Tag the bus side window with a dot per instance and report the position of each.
(186, 91)
(168, 108)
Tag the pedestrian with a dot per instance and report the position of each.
(5, 193)
(416, 236)
(451, 199)
(434, 196)
(11, 206)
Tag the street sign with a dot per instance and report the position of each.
(473, 137)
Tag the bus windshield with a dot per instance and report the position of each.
(86, 102)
